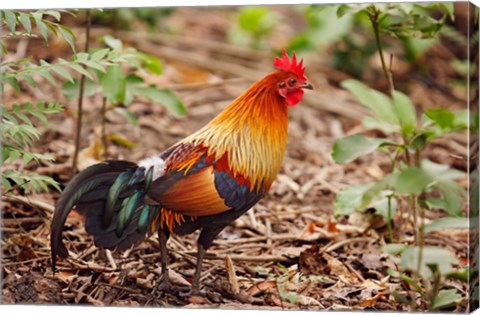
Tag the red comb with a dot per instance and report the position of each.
(284, 64)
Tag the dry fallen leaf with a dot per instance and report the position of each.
(66, 276)
(338, 268)
(261, 287)
(231, 276)
(370, 302)
(175, 277)
(91, 155)
(373, 284)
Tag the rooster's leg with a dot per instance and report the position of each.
(198, 271)
(163, 238)
(204, 241)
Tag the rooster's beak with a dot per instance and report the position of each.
(307, 85)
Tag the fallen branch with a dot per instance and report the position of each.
(30, 202)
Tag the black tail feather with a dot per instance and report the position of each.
(88, 192)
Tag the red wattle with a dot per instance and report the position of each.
(293, 98)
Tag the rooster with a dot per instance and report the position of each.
(203, 182)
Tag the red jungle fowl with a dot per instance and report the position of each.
(203, 182)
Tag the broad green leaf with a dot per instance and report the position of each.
(25, 20)
(351, 147)
(62, 72)
(165, 97)
(28, 78)
(416, 47)
(350, 199)
(461, 120)
(442, 117)
(151, 63)
(453, 194)
(435, 203)
(54, 13)
(10, 20)
(443, 7)
(81, 57)
(41, 26)
(47, 75)
(377, 102)
(81, 70)
(463, 274)
(412, 180)
(112, 42)
(11, 154)
(342, 10)
(68, 36)
(18, 112)
(441, 172)
(113, 84)
(132, 83)
(99, 54)
(13, 83)
(444, 178)
(446, 298)
(440, 257)
(420, 141)
(350, 8)
(95, 65)
(405, 112)
(447, 223)
(372, 123)
(394, 249)
(51, 26)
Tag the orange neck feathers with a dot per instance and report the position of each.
(252, 131)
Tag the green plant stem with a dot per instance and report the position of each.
(413, 206)
(80, 99)
(417, 157)
(374, 19)
(433, 292)
(389, 219)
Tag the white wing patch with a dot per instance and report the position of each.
(157, 163)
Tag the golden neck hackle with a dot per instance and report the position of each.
(253, 131)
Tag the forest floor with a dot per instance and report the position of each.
(288, 252)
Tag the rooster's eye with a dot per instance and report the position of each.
(292, 82)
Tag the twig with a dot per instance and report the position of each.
(110, 258)
(242, 247)
(278, 237)
(29, 202)
(16, 221)
(80, 100)
(350, 267)
(24, 261)
(345, 242)
(273, 258)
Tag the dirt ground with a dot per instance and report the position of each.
(289, 251)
